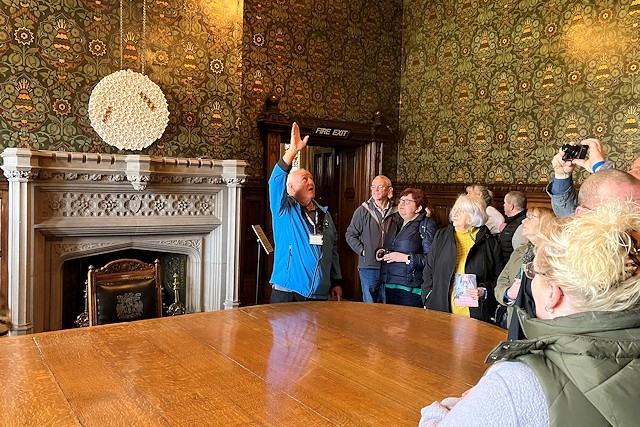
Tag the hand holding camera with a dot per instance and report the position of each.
(570, 156)
(596, 155)
(574, 152)
(380, 253)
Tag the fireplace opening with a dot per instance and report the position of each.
(75, 272)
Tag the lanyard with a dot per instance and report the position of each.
(313, 222)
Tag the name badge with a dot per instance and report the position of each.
(315, 239)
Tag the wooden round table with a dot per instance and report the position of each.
(297, 364)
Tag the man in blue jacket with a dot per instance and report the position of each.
(306, 240)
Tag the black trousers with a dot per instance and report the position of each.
(283, 296)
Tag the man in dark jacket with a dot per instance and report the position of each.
(515, 210)
(366, 233)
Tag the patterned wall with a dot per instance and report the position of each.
(52, 54)
(334, 59)
(491, 89)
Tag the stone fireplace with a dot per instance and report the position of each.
(64, 206)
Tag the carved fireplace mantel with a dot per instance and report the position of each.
(69, 205)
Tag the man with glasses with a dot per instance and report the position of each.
(366, 233)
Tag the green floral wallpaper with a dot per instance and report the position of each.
(332, 59)
(491, 89)
(215, 60)
(52, 54)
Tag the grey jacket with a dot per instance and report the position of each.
(367, 231)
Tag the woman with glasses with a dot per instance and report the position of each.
(580, 363)
(404, 253)
(464, 249)
(514, 287)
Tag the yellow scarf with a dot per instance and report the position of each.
(464, 242)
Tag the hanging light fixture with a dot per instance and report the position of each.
(126, 109)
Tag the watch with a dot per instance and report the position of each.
(408, 261)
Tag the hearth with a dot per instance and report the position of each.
(64, 206)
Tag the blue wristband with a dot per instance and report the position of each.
(597, 166)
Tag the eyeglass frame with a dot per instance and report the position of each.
(378, 187)
(405, 201)
(529, 270)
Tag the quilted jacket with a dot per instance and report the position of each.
(588, 364)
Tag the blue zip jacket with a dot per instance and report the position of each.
(298, 265)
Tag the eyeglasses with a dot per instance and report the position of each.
(532, 217)
(530, 272)
(378, 187)
(406, 201)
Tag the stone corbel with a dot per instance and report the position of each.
(138, 170)
(233, 173)
(19, 165)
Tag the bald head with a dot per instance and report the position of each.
(301, 187)
(635, 168)
(608, 186)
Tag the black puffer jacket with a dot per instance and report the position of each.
(484, 260)
(414, 238)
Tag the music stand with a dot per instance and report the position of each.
(264, 242)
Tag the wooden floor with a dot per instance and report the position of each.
(299, 364)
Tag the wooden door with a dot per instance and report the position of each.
(335, 179)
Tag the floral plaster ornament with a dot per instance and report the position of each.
(128, 110)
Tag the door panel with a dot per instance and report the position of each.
(334, 172)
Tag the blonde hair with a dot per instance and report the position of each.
(546, 218)
(594, 258)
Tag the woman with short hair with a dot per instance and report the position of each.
(464, 247)
(405, 249)
(580, 363)
(494, 218)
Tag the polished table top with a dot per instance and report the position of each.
(297, 364)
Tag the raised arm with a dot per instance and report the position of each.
(295, 145)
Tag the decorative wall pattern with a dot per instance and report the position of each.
(491, 89)
(52, 54)
(330, 59)
(333, 59)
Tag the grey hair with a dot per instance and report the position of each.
(474, 206)
(386, 180)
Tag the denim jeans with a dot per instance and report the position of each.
(372, 289)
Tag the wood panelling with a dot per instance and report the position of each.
(253, 207)
(443, 196)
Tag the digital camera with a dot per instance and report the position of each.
(574, 151)
(380, 253)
